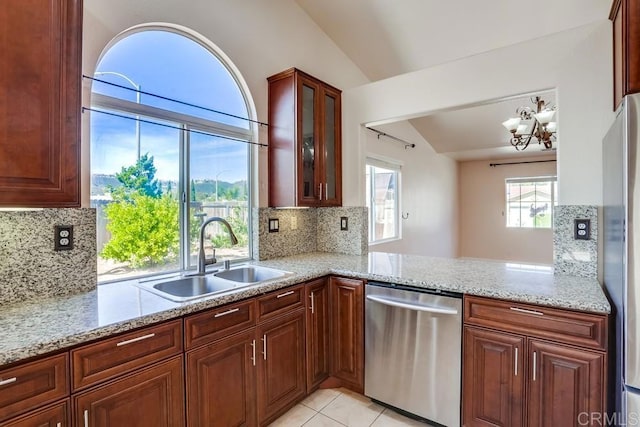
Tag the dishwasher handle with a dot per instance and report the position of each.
(411, 306)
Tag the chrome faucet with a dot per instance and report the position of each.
(202, 261)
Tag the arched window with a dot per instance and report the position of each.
(169, 132)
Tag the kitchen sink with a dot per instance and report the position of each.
(250, 274)
(186, 288)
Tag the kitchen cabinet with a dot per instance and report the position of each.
(249, 377)
(625, 15)
(564, 383)
(514, 353)
(493, 378)
(281, 365)
(56, 415)
(40, 59)
(317, 336)
(221, 382)
(305, 141)
(153, 396)
(347, 331)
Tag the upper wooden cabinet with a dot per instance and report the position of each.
(40, 57)
(625, 15)
(305, 147)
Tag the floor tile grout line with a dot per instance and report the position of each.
(327, 404)
(378, 416)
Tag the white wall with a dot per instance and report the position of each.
(428, 193)
(483, 231)
(260, 37)
(576, 62)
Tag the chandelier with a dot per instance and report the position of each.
(532, 124)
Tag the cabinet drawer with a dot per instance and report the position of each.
(220, 322)
(27, 386)
(115, 356)
(280, 301)
(584, 329)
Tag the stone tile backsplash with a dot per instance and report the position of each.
(309, 230)
(575, 257)
(29, 266)
(331, 238)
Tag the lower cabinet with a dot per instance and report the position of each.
(56, 415)
(251, 377)
(564, 382)
(493, 378)
(317, 337)
(518, 376)
(221, 382)
(153, 396)
(347, 331)
(281, 367)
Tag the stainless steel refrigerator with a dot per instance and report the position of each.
(621, 234)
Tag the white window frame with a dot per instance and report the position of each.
(107, 103)
(554, 201)
(397, 169)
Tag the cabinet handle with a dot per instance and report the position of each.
(59, 425)
(253, 352)
(224, 313)
(534, 365)
(86, 418)
(264, 346)
(516, 363)
(8, 381)
(132, 340)
(326, 191)
(320, 193)
(522, 310)
(285, 294)
(312, 303)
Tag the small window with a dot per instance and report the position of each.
(531, 201)
(382, 190)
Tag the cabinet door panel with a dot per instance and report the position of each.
(317, 339)
(347, 331)
(309, 191)
(493, 378)
(563, 383)
(221, 383)
(151, 397)
(331, 158)
(53, 416)
(40, 46)
(281, 375)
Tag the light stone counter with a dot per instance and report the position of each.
(33, 328)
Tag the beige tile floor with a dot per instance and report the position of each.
(339, 408)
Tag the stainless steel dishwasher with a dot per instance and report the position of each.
(413, 350)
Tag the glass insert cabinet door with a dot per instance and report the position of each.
(309, 189)
(331, 137)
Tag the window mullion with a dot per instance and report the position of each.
(183, 185)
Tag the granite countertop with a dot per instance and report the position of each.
(42, 326)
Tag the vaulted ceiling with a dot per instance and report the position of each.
(386, 38)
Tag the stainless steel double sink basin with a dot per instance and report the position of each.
(186, 288)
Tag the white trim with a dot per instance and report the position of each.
(383, 162)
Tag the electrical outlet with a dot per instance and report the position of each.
(274, 225)
(294, 223)
(581, 229)
(344, 223)
(63, 238)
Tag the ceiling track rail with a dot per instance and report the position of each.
(493, 165)
(380, 133)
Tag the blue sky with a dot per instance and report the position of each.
(176, 67)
